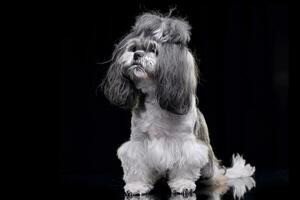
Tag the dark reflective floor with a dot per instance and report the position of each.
(267, 184)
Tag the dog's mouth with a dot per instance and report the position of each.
(137, 67)
(134, 70)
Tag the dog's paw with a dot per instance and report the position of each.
(175, 196)
(142, 197)
(182, 186)
(137, 188)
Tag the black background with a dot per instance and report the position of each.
(242, 53)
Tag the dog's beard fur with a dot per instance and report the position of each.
(154, 74)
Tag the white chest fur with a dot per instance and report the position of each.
(154, 122)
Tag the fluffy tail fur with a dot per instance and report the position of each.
(239, 169)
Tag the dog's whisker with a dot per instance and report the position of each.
(104, 62)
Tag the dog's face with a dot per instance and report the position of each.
(139, 59)
(155, 54)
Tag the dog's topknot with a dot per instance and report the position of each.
(163, 28)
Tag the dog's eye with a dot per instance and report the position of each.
(132, 48)
(155, 51)
(152, 49)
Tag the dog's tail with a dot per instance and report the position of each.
(239, 169)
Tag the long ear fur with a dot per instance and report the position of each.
(176, 78)
(119, 90)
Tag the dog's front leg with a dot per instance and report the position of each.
(182, 180)
(139, 178)
(184, 174)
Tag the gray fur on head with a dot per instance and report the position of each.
(164, 29)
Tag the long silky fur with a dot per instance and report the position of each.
(118, 89)
(175, 79)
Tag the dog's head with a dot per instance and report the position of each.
(153, 57)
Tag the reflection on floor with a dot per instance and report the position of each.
(268, 184)
(238, 187)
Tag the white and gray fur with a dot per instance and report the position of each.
(154, 74)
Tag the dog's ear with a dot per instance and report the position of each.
(176, 77)
(118, 89)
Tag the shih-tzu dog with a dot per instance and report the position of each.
(154, 74)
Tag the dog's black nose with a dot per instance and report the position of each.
(137, 55)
